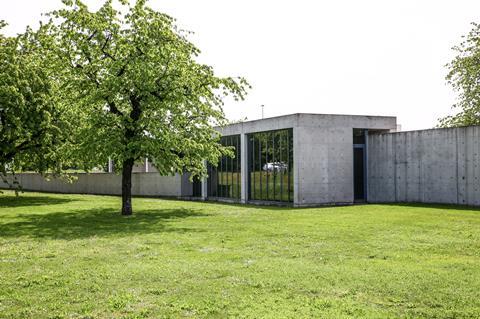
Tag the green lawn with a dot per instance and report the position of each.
(73, 256)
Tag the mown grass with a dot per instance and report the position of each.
(73, 256)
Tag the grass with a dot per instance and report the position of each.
(73, 256)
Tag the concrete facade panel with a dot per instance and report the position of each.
(431, 166)
(325, 156)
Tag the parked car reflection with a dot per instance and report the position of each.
(275, 167)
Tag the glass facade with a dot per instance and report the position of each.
(270, 165)
(225, 179)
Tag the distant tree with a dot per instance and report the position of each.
(464, 76)
(31, 120)
(138, 89)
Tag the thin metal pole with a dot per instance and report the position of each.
(110, 165)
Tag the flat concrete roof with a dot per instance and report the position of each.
(310, 119)
(314, 114)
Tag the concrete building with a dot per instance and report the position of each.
(316, 159)
(298, 159)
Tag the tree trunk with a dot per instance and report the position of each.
(127, 187)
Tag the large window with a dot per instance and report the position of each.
(225, 179)
(270, 164)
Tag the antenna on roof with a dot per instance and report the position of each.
(262, 106)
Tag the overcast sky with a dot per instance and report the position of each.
(343, 57)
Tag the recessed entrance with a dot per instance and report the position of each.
(359, 165)
(359, 173)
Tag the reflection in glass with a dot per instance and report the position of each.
(271, 165)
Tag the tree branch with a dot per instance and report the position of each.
(113, 108)
(105, 53)
(92, 35)
(23, 146)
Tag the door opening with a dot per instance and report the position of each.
(359, 173)
(360, 165)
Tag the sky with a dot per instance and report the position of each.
(370, 57)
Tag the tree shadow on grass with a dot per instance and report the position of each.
(20, 201)
(96, 222)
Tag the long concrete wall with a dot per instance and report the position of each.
(143, 184)
(431, 166)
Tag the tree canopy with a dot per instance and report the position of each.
(32, 122)
(464, 76)
(138, 90)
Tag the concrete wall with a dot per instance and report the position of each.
(430, 166)
(143, 184)
(323, 148)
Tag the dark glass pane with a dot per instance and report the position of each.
(281, 157)
(197, 187)
(238, 170)
(228, 168)
(290, 165)
(275, 167)
(251, 167)
(225, 181)
(358, 173)
(260, 175)
(358, 136)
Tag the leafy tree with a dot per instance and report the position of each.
(464, 76)
(31, 120)
(137, 88)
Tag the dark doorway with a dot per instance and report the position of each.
(359, 173)
(360, 164)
